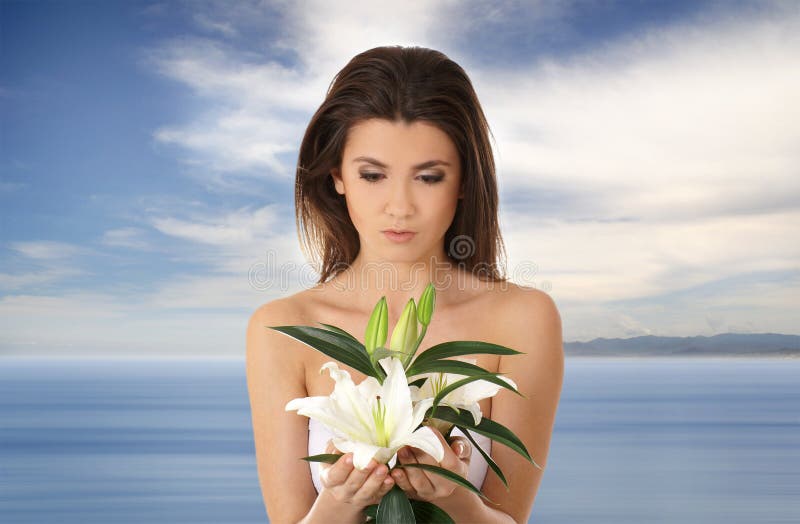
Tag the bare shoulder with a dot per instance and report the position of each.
(526, 306)
(531, 301)
(532, 324)
(280, 311)
(267, 347)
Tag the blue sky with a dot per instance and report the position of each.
(647, 159)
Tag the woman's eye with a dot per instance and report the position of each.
(431, 179)
(428, 179)
(371, 177)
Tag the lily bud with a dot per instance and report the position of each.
(426, 305)
(404, 336)
(377, 327)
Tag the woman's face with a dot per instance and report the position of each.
(399, 176)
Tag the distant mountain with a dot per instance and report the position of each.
(726, 344)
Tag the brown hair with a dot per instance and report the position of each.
(403, 84)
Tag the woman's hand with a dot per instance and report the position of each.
(348, 485)
(423, 485)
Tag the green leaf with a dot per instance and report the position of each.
(419, 382)
(328, 458)
(445, 366)
(487, 427)
(333, 344)
(395, 508)
(457, 348)
(371, 511)
(446, 473)
(489, 377)
(430, 513)
(340, 331)
(486, 456)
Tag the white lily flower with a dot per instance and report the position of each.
(372, 420)
(464, 397)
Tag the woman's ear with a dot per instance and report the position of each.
(338, 184)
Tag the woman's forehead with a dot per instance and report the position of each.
(385, 140)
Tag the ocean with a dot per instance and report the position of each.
(169, 441)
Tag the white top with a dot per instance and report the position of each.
(318, 436)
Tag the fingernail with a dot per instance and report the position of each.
(460, 448)
(349, 459)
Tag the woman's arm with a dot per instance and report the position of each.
(275, 375)
(531, 324)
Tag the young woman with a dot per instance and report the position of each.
(396, 188)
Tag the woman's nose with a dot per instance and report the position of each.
(400, 202)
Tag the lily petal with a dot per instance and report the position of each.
(362, 451)
(396, 397)
(475, 409)
(369, 387)
(425, 439)
(322, 409)
(347, 400)
(419, 411)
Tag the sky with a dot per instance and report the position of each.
(647, 158)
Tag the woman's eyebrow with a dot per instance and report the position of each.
(424, 165)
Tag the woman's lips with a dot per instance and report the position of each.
(399, 237)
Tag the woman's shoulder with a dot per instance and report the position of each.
(523, 310)
(287, 310)
(515, 298)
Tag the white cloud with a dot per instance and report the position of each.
(238, 227)
(225, 28)
(686, 121)
(48, 249)
(100, 324)
(42, 263)
(33, 279)
(129, 237)
(259, 107)
(599, 262)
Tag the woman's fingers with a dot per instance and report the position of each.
(416, 481)
(400, 478)
(338, 472)
(462, 448)
(357, 477)
(376, 485)
(417, 477)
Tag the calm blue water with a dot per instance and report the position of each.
(649, 441)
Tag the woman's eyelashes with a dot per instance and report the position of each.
(428, 179)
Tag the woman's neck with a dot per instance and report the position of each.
(366, 281)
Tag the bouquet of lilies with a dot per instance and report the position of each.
(402, 398)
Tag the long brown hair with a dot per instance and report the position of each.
(399, 84)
